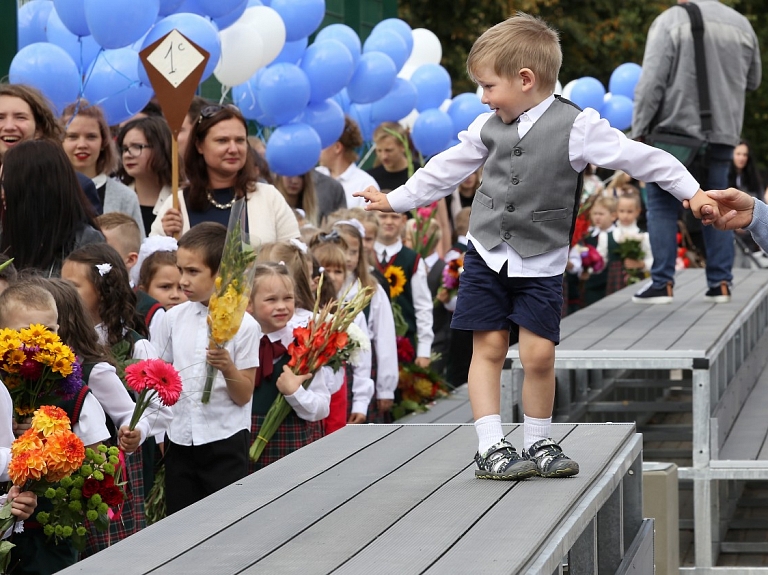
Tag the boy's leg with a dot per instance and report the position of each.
(181, 480)
(537, 356)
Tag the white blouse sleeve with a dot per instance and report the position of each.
(92, 427)
(362, 384)
(6, 431)
(314, 402)
(114, 397)
(381, 326)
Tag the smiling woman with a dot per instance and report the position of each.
(24, 115)
(220, 169)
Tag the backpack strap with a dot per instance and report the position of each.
(702, 79)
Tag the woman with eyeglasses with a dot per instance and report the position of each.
(145, 164)
(220, 170)
(89, 146)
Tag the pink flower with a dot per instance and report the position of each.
(425, 212)
(164, 379)
(136, 376)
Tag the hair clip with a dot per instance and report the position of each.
(281, 263)
(301, 246)
(355, 223)
(104, 269)
(332, 236)
(321, 270)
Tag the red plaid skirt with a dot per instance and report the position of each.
(617, 278)
(132, 517)
(294, 433)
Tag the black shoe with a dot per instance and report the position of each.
(550, 460)
(719, 294)
(501, 461)
(654, 295)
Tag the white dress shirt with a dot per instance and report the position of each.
(422, 298)
(353, 179)
(6, 431)
(183, 341)
(592, 141)
(312, 403)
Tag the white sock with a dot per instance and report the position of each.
(535, 430)
(489, 432)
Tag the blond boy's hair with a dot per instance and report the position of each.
(25, 295)
(522, 41)
(129, 237)
(608, 202)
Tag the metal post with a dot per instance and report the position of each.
(582, 558)
(610, 534)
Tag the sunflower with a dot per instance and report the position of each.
(396, 278)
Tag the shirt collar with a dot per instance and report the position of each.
(284, 335)
(431, 259)
(532, 115)
(391, 249)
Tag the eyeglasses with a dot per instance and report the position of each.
(210, 111)
(134, 150)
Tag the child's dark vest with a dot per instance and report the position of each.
(266, 392)
(408, 261)
(147, 306)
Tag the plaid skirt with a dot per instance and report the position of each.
(617, 278)
(132, 517)
(293, 433)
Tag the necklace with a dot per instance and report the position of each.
(216, 204)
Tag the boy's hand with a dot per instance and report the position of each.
(128, 440)
(219, 358)
(422, 362)
(23, 503)
(699, 200)
(289, 382)
(443, 295)
(374, 200)
(20, 427)
(172, 222)
(736, 209)
(356, 418)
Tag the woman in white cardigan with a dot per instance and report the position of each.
(220, 169)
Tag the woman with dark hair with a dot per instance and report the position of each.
(743, 173)
(44, 215)
(144, 145)
(90, 148)
(220, 170)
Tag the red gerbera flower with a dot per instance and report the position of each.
(164, 379)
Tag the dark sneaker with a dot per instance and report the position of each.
(719, 294)
(501, 461)
(654, 295)
(550, 460)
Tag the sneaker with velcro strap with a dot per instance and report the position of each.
(550, 460)
(501, 461)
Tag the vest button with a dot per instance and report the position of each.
(507, 235)
(515, 181)
(510, 208)
(518, 151)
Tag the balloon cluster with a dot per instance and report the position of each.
(259, 49)
(615, 106)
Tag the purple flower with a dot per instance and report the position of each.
(71, 384)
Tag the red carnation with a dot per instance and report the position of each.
(90, 487)
(31, 370)
(405, 351)
(112, 495)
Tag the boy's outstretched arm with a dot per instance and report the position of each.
(374, 200)
(701, 199)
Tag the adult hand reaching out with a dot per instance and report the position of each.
(735, 209)
(374, 199)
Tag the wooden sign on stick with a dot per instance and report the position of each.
(175, 66)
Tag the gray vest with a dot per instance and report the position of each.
(530, 192)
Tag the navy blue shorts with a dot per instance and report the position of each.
(490, 301)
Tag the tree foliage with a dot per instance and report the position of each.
(596, 36)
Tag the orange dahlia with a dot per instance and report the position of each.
(64, 453)
(49, 419)
(30, 440)
(27, 465)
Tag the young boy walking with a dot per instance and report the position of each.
(208, 447)
(534, 147)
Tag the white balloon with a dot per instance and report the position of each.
(558, 88)
(426, 49)
(242, 53)
(568, 88)
(479, 91)
(406, 71)
(445, 105)
(267, 23)
(607, 97)
(409, 120)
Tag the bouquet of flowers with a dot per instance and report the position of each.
(92, 496)
(631, 248)
(417, 388)
(152, 378)
(37, 368)
(326, 340)
(423, 234)
(450, 276)
(47, 453)
(232, 292)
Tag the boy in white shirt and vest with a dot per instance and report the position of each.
(534, 147)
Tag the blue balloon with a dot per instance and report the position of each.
(191, 7)
(326, 118)
(361, 114)
(464, 109)
(433, 84)
(390, 43)
(291, 52)
(219, 8)
(228, 19)
(49, 69)
(256, 3)
(343, 34)
(432, 132)
(588, 92)
(283, 92)
(168, 7)
(119, 23)
(396, 105)
(113, 83)
(293, 150)
(373, 78)
(624, 79)
(72, 13)
(32, 19)
(329, 67)
(618, 111)
(399, 26)
(197, 28)
(82, 49)
(244, 97)
(301, 17)
(342, 99)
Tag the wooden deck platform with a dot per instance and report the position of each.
(403, 499)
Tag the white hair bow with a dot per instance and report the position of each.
(104, 269)
(355, 223)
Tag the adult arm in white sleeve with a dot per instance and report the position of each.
(422, 303)
(314, 402)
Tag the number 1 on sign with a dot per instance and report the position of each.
(175, 58)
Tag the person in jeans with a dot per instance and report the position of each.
(666, 96)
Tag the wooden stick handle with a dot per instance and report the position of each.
(175, 174)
